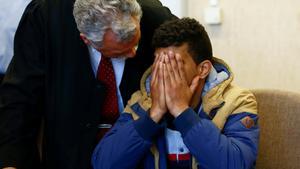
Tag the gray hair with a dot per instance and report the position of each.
(94, 17)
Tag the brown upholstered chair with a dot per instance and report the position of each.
(279, 120)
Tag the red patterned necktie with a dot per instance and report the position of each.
(109, 111)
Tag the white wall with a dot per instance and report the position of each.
(260, 39)
(178, 7)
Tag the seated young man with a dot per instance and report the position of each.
(187, 114)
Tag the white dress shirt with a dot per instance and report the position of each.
(118, 65)
(10, 15)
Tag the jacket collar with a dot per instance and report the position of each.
(214, 97)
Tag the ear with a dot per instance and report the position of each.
(204, 69)
(85, 39)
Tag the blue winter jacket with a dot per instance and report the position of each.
(223, 134)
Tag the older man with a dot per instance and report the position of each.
(77, 81)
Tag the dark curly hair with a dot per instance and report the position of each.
(186, 30)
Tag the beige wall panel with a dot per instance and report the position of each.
(260, 39)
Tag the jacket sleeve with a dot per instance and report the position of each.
(20, 94)
(126, 143)
(233, 148)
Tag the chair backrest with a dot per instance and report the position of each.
(279, 120)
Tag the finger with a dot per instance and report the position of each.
(174, 65)
(160, 73)
(180, 66)
(154, 73)
(156, 57)
(167, 81)
(161, 79)
(195, 84)
(155, 68)
(162, 56)
(169, 69)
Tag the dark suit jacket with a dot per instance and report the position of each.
(50, 77)
(1, 77)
